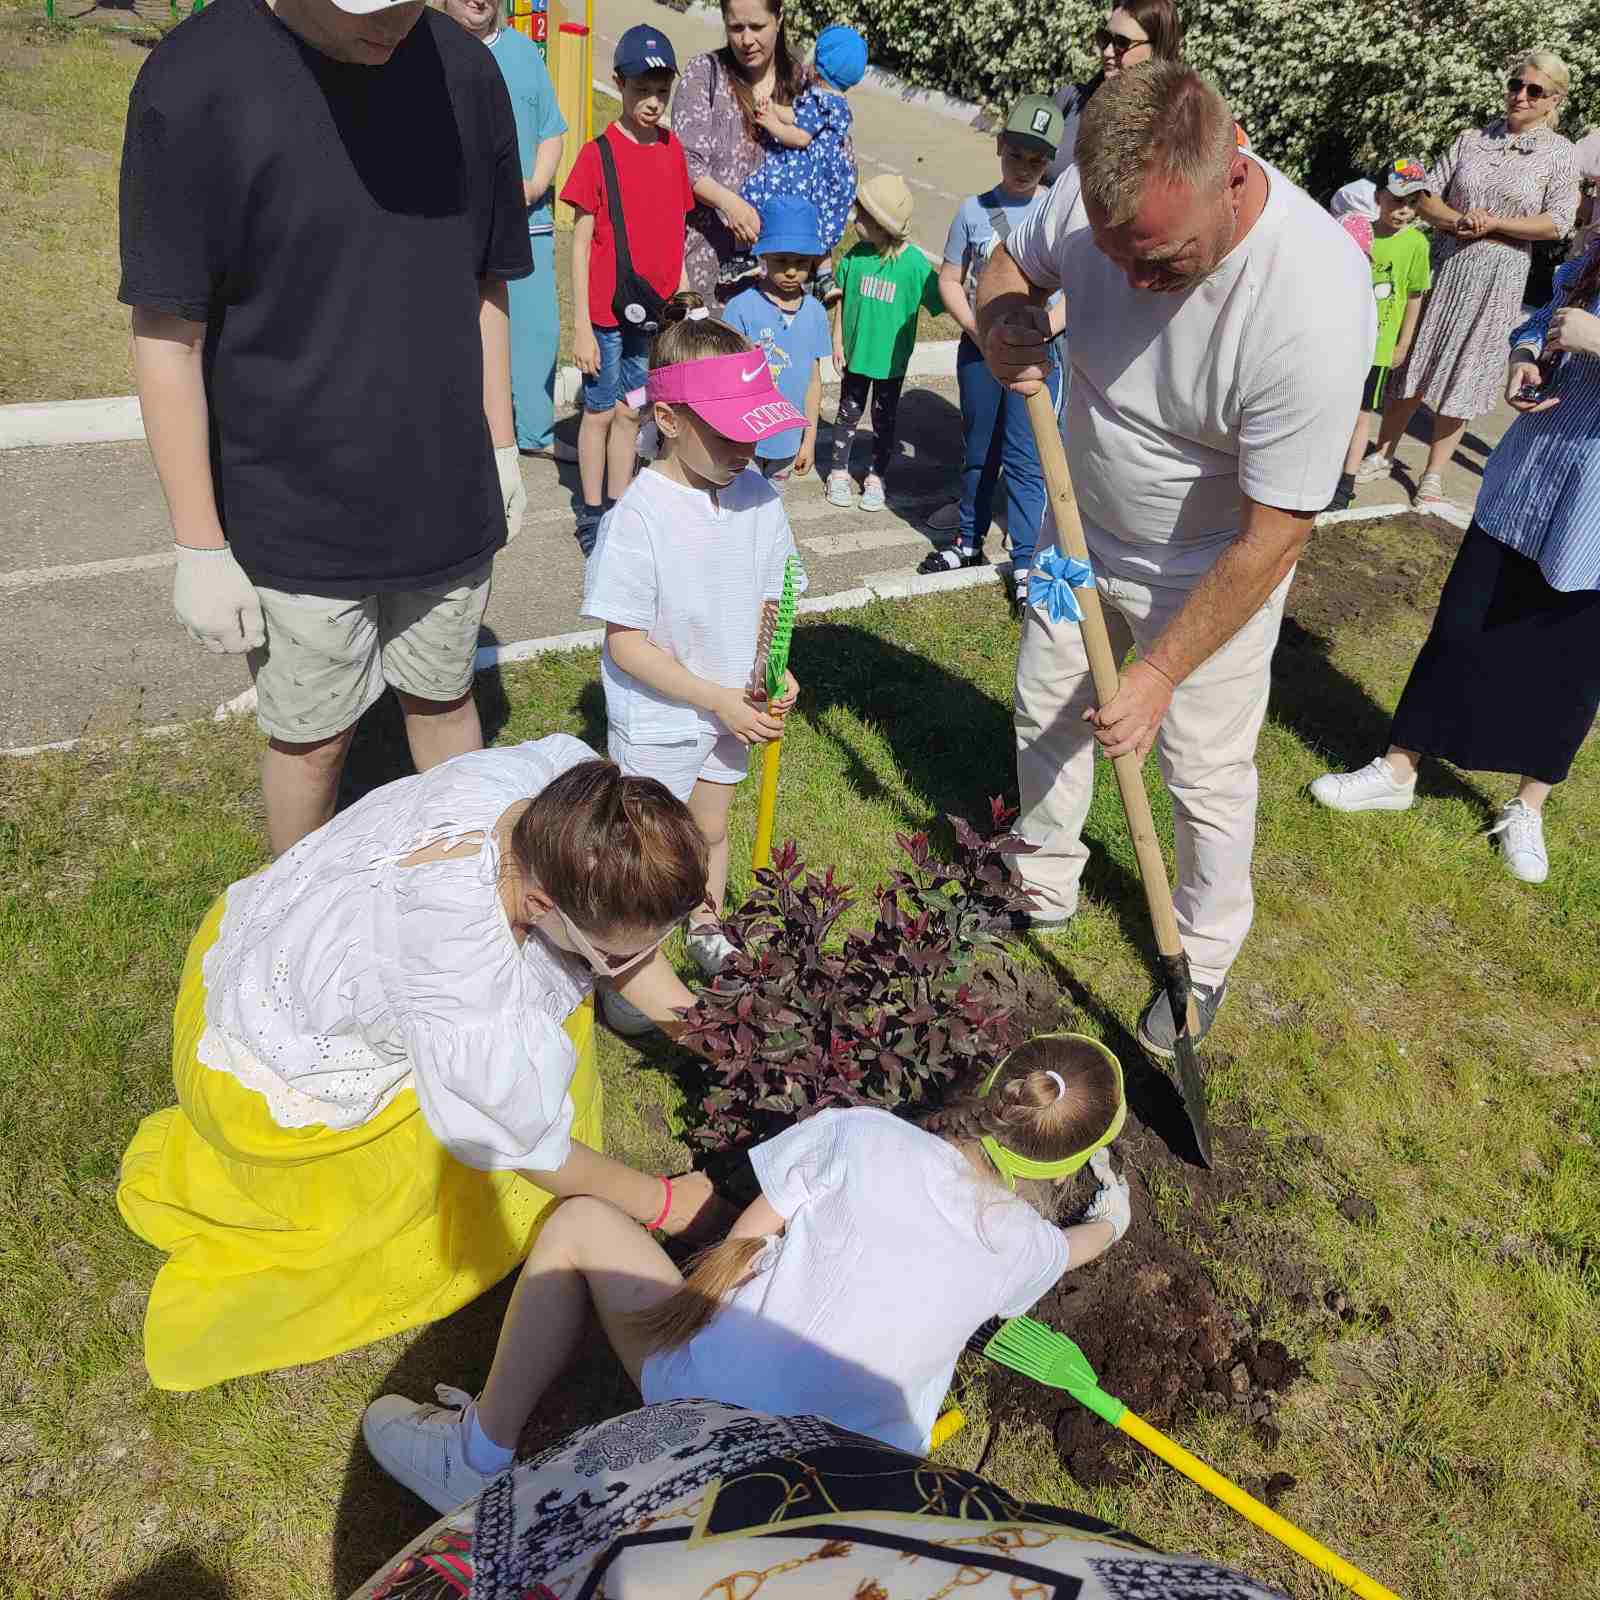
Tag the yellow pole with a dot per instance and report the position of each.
(767, 810)
(950, 1423)
(1268, 1520)
(588, 71)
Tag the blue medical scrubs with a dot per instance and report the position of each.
(535, 320)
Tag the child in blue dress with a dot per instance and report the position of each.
(813, 157)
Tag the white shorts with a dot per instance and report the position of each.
(327, 660)
(716, 758)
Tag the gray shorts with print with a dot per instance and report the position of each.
(327, 659)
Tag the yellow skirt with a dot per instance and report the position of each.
(286, 1245)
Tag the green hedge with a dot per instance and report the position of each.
(1327, 89)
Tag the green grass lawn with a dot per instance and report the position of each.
(1431, 1020)
(63, 102)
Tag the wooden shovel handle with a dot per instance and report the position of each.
(1103, 666)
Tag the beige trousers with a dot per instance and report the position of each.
(1207, 748)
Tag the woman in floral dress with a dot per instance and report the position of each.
(1494, 193)
(715, 113)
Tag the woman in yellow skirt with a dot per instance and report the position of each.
(384, 1055)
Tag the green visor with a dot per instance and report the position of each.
(1012, 1166)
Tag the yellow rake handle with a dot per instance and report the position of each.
(767, 810)
(950, 1423)
(1268, 1520)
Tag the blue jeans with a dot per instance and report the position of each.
(535, 334)
(624, 366)
(997, 434)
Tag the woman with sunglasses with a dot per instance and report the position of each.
(1496, 191)
(1142, 30)
(384, 1057)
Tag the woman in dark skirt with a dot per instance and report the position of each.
(1509, 679)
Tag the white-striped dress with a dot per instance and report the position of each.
(1458, 362)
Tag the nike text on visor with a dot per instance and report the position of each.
(734, 394)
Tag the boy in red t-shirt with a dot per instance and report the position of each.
(653, 185)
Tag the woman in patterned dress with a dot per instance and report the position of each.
(715, 113)
(1492, 195)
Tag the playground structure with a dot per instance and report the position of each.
(568, 47)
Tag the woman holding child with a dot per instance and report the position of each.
(1492, 194)
(383, 1050)
(724, 98)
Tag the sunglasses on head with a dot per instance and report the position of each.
(1119, 44)
(1534, 91)
(604, 963)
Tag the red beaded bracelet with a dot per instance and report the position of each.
(666, 1205)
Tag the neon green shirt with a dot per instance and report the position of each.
(882, 295)
(1400, 269)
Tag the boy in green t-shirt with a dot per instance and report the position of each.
(885, 283)
(1401, 275)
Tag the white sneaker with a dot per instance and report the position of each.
(422, 1446)
(1520, 830)
(708, 946)
(1370, 788)
(1430, 492)
(1375, 466)
(624, 1016)
(838, 488)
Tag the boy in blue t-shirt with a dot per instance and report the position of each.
(788, 326)
(994, 422)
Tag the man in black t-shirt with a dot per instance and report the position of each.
(321, 206)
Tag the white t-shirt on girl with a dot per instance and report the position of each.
(895, 1251)
(693, 575)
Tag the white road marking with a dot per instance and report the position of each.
(849, 544)
(30, 576)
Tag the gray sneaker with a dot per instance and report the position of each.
(1159, 1036)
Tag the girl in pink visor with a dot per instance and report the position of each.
(685, 564)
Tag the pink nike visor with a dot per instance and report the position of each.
(734, 394)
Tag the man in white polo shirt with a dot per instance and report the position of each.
(1219, 324)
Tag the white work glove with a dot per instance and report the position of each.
(513, 493)
(216, 602)
(1110, 1203)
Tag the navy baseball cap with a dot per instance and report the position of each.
(643, 49)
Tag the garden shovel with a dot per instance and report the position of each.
(1052, 1359)
(1130, 780)
(778, 630)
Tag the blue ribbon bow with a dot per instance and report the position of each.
(1052, 581)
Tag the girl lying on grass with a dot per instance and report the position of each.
(846, 1290)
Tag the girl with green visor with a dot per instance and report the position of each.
(846, 1290)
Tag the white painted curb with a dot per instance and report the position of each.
(880, 586)
(51, 424)
(58, 422)
(876, 587)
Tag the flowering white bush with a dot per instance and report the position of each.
(1327, 89)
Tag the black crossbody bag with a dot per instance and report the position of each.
(638, 308)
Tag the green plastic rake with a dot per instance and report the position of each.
(1052, 1359)
(778, 631)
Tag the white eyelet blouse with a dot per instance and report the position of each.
(340, 978)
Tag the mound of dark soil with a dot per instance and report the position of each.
(1149, 1318)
